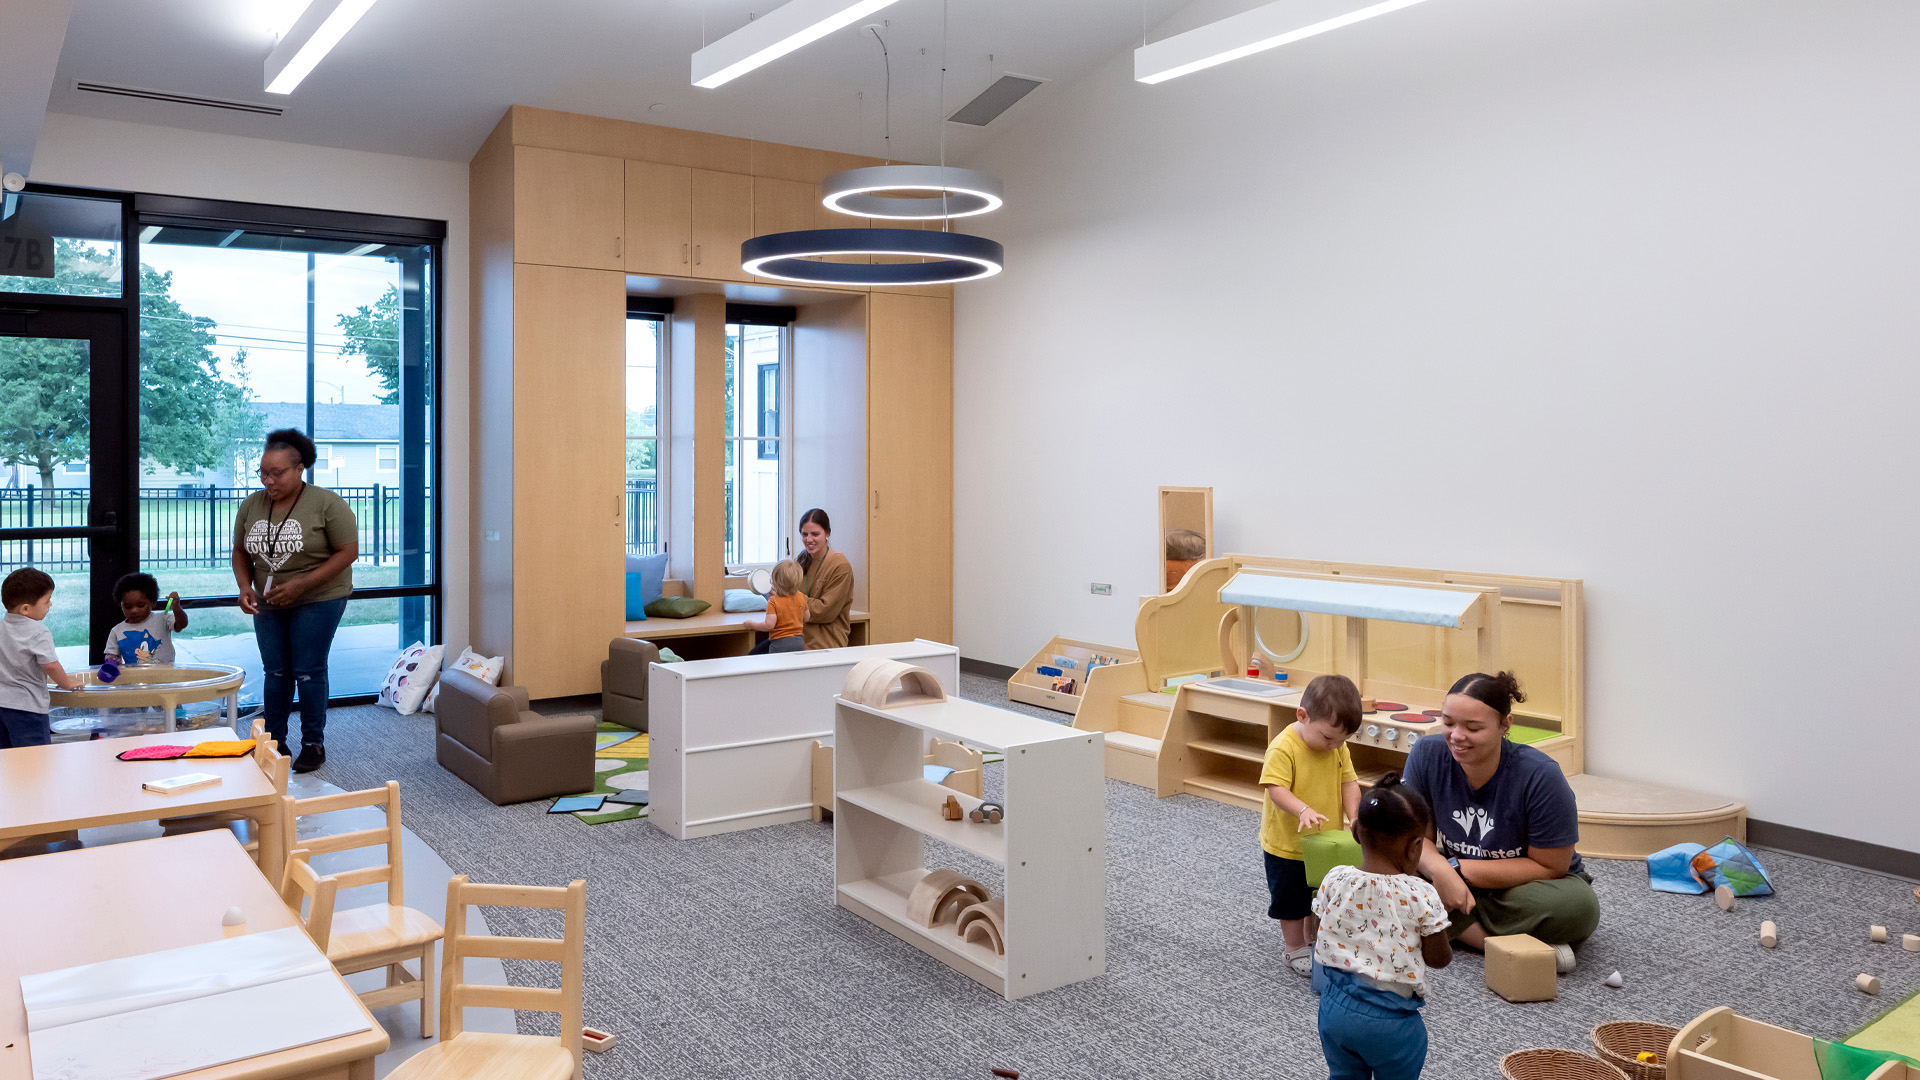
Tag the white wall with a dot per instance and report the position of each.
(1622, 290)
(109, 154)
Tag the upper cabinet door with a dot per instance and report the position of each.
(782, 206)
(659, 237)
(567, 208)
(722, 221)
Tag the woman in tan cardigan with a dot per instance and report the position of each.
(828, 585)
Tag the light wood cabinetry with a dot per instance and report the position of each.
(569, 208)
(910, 466)
(659, 222)
(564, 208)
(722, 220)
(569, 474)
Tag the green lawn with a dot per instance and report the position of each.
(68, 619)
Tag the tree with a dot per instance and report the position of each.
(640, 456)
(189, 412)
(373, 332)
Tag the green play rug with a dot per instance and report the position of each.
(619, 761)
(1527, 736)
(1898, 1031)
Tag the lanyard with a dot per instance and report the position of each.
(273, 534)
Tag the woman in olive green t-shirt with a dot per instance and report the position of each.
(293, 551)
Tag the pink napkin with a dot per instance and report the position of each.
(153, 753)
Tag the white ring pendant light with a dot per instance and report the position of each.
(954, 192)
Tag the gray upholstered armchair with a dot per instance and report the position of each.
(623, 681)
(488, 736)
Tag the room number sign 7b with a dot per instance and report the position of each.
(24, 254)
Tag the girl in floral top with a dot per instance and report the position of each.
(1381, 927)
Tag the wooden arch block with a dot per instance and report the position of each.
(941, 895)
(993, 912)
(889, 684)
(982, 932)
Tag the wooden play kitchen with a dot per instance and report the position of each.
(162, 686)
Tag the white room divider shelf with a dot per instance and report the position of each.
(1051, 846)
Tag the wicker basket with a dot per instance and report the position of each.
(1556, 1065)
(1619, 1041)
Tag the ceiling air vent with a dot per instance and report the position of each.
(995, 100)
(178, 99)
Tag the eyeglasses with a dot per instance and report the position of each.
(275, 474)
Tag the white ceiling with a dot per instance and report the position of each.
(430, 78)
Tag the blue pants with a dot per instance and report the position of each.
(1366, 1033)
(20, 728)
(774, 645)
(294, 643)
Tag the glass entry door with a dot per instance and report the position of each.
(65, 493)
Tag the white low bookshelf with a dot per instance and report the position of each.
(732, 737)
(1051, 844)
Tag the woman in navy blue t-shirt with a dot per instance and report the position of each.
(1504, 862)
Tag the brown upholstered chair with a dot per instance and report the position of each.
(487, 736)
(623, 681)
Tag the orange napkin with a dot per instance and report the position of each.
(230, 748)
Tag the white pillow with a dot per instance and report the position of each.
(485, 668)
(412, 675)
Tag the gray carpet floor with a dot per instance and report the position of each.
(725, 957)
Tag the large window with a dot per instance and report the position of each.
(245, 330)
(646, 438)
(758, 479)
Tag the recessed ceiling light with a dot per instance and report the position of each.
(788, 27)
(1266, 27)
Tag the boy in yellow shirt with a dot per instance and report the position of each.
(1309, 779)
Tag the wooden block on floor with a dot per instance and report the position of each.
(1520, 967)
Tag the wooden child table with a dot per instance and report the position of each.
(80, 785)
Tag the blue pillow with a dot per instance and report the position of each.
(653, 572)
(740, 600)
(636, 589)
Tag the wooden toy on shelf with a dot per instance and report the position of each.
(1877, 934)
(1520, 967)
(890, 684)
(1723, 1045)
(1075, 662)
(942, 895)
(1868, 984)
(965, 777)
(984, 923)
(951, 809)
(1769, 934)
(1052, 853)
(987, 813)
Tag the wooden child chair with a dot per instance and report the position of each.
(377, 935)
(309, 896)
(272, 762)
(465, 1054)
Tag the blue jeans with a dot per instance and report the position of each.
(21, 728)
(294, 643)
(1368, 1033)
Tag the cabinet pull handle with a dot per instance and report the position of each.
(683, 253)
(619, 248)
(876, 498)
(696, 254)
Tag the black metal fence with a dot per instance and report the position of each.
(643, 520)
(189, 526)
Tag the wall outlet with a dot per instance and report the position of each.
(1102, 589)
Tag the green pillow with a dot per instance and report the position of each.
(676, 607)
(1327, 849)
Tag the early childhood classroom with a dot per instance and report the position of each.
(922, 540)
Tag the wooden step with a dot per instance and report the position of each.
(1133, 744)
(1626, 819)
(1243, 751)
(1151, 700)
(1226, 789)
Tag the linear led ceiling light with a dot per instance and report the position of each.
(788, 27)
(955, 193)
(1268, 26)
(313, 35)
(785, 257)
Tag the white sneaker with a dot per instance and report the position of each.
(1563, 959)
(1301, 961)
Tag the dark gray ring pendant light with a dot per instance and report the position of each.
(787, 256)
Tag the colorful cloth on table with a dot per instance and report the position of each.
(153, 753)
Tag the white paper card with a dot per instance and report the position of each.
(198, 1033)
(131, 983)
